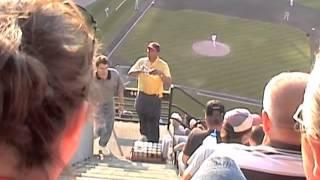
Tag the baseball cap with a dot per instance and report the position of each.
(192, 123)
(154, 46)
(214, 105)
(241, 119)
(176, 116)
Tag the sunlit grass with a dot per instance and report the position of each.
(258, 50)
(109, 27)
(310, 3)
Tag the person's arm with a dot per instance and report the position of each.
(187, 150)
(120, 95)
(186, 176)
(165, 79)
(196, 160)
(135, 70)
(179, 146)
(134, 73)
(185, 159)
(165, 75)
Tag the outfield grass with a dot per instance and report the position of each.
(109, 27)
(310, 3)
(259, 50)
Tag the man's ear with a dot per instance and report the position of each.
(71, 136)
(266, 122)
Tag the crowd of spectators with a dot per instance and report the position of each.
(264, 146)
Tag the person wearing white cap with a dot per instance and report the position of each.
(176, 121)
(279, 158)
(286, 15)
(213, 39)
(106, 10)
(136, 5)
(178, 130)
(291, 3)
(237, 126)
(192, 123)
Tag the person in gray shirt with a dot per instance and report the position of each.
(105, 85)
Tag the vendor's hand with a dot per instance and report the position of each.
(156, 72)
(120, 110)
(138, 71)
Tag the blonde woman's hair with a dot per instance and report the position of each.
(311, 104)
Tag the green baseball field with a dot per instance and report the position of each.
(315, 4)
(261, 45)
(108, 27)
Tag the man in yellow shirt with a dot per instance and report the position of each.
(153, 74)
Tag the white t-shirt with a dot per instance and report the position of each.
(180, 130)
(214, 37)
(261, 158)
(291, 3)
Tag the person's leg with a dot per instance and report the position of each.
(108, 115)
(143, 120)
(99, 122)
(153, 120)
(139, 105)
(136, 5)
(153, 129)
(285, 16)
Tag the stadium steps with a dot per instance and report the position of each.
(120, 169)
(117, 166)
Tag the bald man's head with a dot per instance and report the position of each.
(282, 95)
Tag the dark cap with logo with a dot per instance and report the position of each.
(214, 105)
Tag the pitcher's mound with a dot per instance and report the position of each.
(206, 48)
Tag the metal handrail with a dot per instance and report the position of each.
(187, 94)
(184, 111)
(171, 105)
